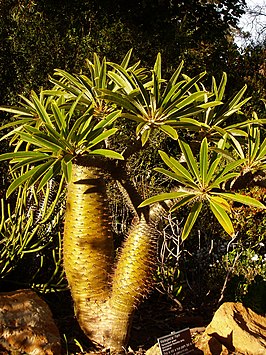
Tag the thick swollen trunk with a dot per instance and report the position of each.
(88, 248)
(131, 280)
(104, 296)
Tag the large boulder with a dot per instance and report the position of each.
(26, 325)
(234, 328)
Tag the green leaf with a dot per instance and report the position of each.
(204, 160)
(41, 109)
(246, 200)
(157, 66)
(163, 197)
(66, 165)
(222, 85)
(40, 171)
(40, 141)
(222, 217)
(180, 178)
(210, 104)
(109, 119)
(183, 201)
(118, 99)
(107, 153)
(221, 202)
(262, 150)
(177, 167)
(145, 136)
(20, 155)
(190, 159)
(30, 161)
(101, 137)
(126, 59)
(26, 177)
(212, 170)
(191, 219)
(121, 82)
(169, 131)
(176, 74)
(219, 180)
(52, 172)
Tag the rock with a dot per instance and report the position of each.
(234, 328)
(26, 325)
(154, 350)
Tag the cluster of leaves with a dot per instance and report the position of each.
(31, 238)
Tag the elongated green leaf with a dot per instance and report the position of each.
(237, 97)
(222, 217)
(109, 119)
(126, 59)
(157, 66)
(189, 99)
(41, 140)
(121, 82)
(204, 160)
(222, 85)
(253, 142)
(163, 197)
(101, 137)
(183, 201)
(212, 171)
(177, 167)
(20, 180)
(221, 179)
(128, 82)
(262, 150)
(190, 159)
(19, 155)
(176, 74)
(40, 171)
(191, 219)
(188, 85)
(41, 110)
(246, 200)
(107, 153)
(52, 172)
(59, 117)
(78, 126)
(170, 131)
(180, 178)
(18, 111)
(220, 201)
(67, 169)
(143, 90)
(119, 100)
(30, 161)
(145, 134)
(233, 166)
(210, 104)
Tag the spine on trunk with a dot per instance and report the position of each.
(88, 245)
(132, 277)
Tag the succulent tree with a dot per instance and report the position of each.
(68, 131)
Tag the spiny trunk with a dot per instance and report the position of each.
(105, 300)
(88, 248)
(131, 280)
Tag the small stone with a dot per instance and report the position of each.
(26, 325)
